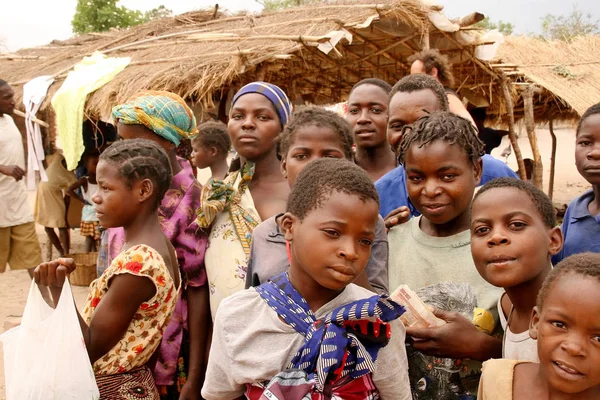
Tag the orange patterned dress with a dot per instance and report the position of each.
(146, 328)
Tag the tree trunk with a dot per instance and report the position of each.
(511, 129)
(538, 169)
(552, 159)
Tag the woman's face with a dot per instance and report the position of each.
(253, 126)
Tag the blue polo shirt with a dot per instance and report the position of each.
(580, 228)
(392, 186)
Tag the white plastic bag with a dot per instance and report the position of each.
(45, 357)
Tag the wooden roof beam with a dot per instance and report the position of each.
(471, 56)
(377, 48)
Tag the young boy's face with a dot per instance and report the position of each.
(587, 149)
(568, 335)
(440, 180)
(367, 114)
(201, 156)
(332, 244)
(310, 143)
(510, 243)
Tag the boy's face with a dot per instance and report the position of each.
(587, 149)
(510, 243)
(405, 109)
(202, 157)
(440, 180)
(331, 246)
(367, 115)
(310, 143)
(568, 335)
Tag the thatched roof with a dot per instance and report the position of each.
(567, 73)
(315, 53)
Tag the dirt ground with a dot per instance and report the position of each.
(14, 285)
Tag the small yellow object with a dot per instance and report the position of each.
(483, 320)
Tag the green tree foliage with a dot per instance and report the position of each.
(101, 15)
(568, 27)
(506, 28)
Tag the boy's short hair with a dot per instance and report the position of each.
(595, 109)
(316, 116)
(444, 126)
(373, 81)
(418, 82)
(432, 58)
(213, 134)
(584, 264)
(320, 178)
(539, 199)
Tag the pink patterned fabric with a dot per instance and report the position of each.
(177, 215)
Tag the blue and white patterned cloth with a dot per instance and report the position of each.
(280, 101)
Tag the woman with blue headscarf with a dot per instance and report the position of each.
(165, 119)
(254, 190)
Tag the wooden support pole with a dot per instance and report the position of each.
(552, 159)
(34, 119)
(538, 169)
(511, 129)
(425, 40)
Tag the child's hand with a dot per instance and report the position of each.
(397, 216)
(53, 273)
(458, 338)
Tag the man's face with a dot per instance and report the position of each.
(7, 100)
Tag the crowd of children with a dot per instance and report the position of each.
(271, 280)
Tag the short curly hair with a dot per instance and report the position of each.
(141, 159)
(322, 177)
(373, 81)
(593, 110)
(432, 58)
(213, 134)
(418, 82)
(316, 116)
(540, 200)
(445, 126)
(584, 264)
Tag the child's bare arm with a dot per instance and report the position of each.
(458, 338)
(71, 191)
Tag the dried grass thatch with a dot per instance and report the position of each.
(567, 73)
(204, 55)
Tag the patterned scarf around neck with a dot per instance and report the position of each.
(221, 195)
(344, 343)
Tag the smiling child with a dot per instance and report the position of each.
(566, 324)
(311, 330)
(513, 236)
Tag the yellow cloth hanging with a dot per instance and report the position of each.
(90, 74)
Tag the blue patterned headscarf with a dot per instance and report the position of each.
(164, 113)
(280, 101)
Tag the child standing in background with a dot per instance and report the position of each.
(211, 148)
(310, 331)
(50, 210)
(566, 324)
(513, 236)
(89, 220)
(581, 225)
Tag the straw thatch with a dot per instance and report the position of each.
(315, 53)
(568, 74)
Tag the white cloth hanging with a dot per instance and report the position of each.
(34, 93)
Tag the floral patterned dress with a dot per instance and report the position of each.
(146, 328)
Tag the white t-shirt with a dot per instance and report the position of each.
(14, 209)
(251, 345)
(516, 346)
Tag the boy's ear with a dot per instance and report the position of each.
(143, 190)
(478, 169)
(283, 167)
(288, 221)
(556, 240)
(533, 323)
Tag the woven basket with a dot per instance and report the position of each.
(85, 272)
